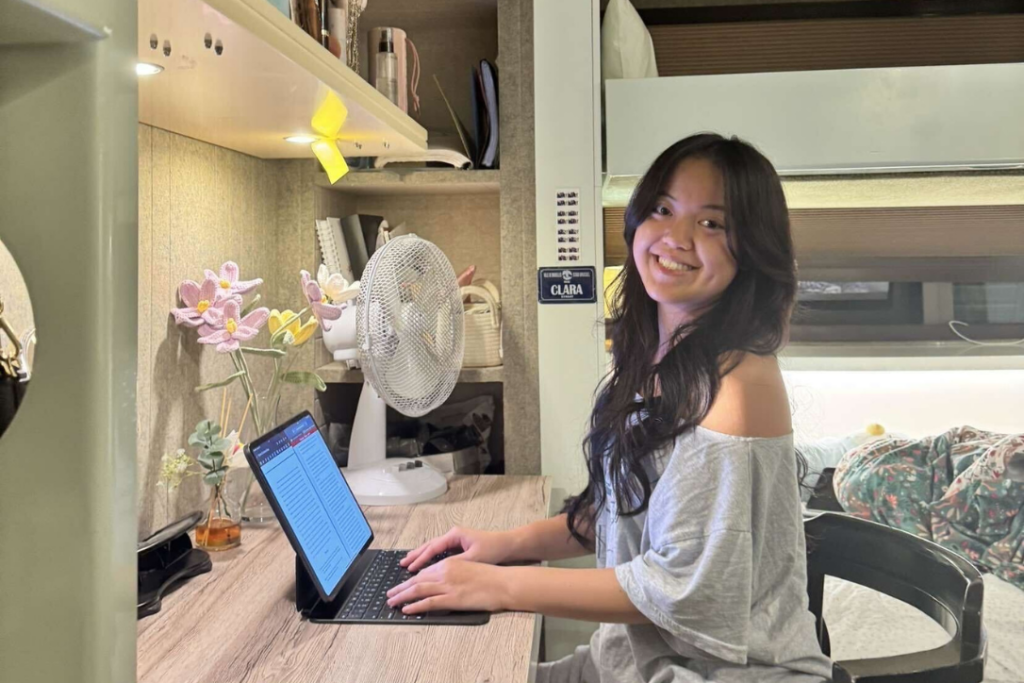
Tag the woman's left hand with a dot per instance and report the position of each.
(452, 584)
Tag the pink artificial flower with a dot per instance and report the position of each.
(235, 329)
(228, 282)
(318, 302)
(203, 304)
(215, 319)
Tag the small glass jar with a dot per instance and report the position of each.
(222, 528)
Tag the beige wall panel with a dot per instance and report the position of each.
(296, 250)
(467, 228)
(451, 38)
(144, 374)
(519, 238)
(287, 214)
(155, 327)
(199, 206)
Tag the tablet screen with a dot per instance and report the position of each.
(312, 496)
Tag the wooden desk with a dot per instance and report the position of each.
(238, 622)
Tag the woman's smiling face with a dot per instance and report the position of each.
(682, 249)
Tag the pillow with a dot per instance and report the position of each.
(826, 452)
(627, 50)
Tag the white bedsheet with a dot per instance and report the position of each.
(864, 623)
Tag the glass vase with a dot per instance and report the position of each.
(222, 528)
(254, 505)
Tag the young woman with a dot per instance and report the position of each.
(692, 505)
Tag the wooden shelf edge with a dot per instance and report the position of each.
(414, 181)
(264, 84)
(338, 373)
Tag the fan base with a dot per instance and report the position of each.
(395, 482)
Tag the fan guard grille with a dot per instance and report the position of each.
(410, 325)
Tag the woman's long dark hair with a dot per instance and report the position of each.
(751, 315)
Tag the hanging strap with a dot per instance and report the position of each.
(414, 77)
(9, 365)
(491, 303)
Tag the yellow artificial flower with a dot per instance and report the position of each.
(300, 333)
(304, 332)
(277, 319)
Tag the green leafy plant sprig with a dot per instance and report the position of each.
(214, 451)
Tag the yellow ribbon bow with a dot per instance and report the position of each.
(327, 122)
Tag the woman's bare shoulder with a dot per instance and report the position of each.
(752, 400)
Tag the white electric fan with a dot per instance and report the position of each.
(406, 333)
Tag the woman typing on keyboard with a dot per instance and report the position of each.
(692, 505)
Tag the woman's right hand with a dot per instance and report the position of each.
(489, 547)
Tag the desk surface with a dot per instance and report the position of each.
(238, 622)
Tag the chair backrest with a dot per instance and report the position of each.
(936, 581)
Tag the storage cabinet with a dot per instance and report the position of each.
(460, 213)
(224, 185)
(477, 217)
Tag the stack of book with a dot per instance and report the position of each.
(476, 149)
(481, 147)
(326, 21)
(346, 244)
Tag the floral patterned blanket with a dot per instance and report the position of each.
(962, 489)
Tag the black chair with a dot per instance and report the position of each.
(936, 581)
(823, 495)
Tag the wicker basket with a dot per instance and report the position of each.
(483, 326)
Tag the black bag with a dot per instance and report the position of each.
(12, 393)
(13, 379)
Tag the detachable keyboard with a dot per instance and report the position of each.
(367, 601)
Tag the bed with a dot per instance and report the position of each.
(960, 489)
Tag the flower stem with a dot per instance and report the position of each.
(257, 414)
(273, 385)
(291, 362)
(209, 518)
(238, 358)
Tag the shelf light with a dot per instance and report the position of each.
(301, 139)
(147, 69)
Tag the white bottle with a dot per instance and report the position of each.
(386, 67)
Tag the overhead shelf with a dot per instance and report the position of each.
(338, 373)
(263, 83)
(415, 181)
(43, 22)
(836, 122)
